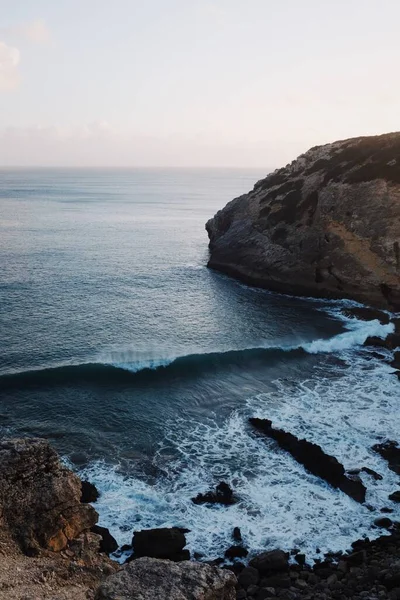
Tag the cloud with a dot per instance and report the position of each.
(35, 31)
(9, 60)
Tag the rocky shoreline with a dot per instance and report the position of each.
(49, 531)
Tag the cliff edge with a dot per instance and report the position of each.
(326, 225)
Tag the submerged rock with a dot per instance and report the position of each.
(314, 459)
(167, 543)
(152, 579)
(223, 495)
(40, 499)
(328, 224)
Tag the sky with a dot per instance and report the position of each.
(190, 83)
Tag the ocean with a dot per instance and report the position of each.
(142, 366)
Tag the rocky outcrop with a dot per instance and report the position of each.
(314, 459)
(167, 543)
(327, 225)
(40, 499)
(223, 495)
(152, 579)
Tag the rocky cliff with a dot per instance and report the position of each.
(326, 225)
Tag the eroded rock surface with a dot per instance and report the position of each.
(328, 224)
(40, 499)
(153, 579)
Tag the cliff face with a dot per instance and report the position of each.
(326, 225)
(40, 499)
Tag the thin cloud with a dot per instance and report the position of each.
(36, 32)
(9, 60)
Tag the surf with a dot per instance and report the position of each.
(126, 367)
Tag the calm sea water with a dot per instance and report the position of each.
(142, 366)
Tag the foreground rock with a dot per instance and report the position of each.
(167, 543)
(314, 459)
(40, 499)
(326, 225)
(151, 579)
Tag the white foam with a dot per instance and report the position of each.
(359, 332)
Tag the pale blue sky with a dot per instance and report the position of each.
(193, 83)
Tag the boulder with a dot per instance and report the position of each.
(237, 534)
(314, 459)
(40, 499)
(167, 543)
(249, 576)
(90, 492)
(223, 495)
(383, 522)
(372, 473)
(395, 497)
(152, 579)
(326, 225)
(390, 451)
(236, 552)
(270, 562)
(108, 543)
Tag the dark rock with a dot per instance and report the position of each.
(328, 224)
(383, 522)
(367, 314)
(265, 593)
(236, 552)
(236, 567)
(160, 543)
(40, 499)
(314, 459)
(237, 535)
(356, 558)
(396, 360)
(373, 473)
(90, 492)
(223, 495)
(108, 543)
(274, 560)
(395, 497)
(390, 451)
(249, 576)
(391, 342)
(252, 591)
(385, 509)
(392, 580)
(280, 580)
(241, 595)
(300, 558)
